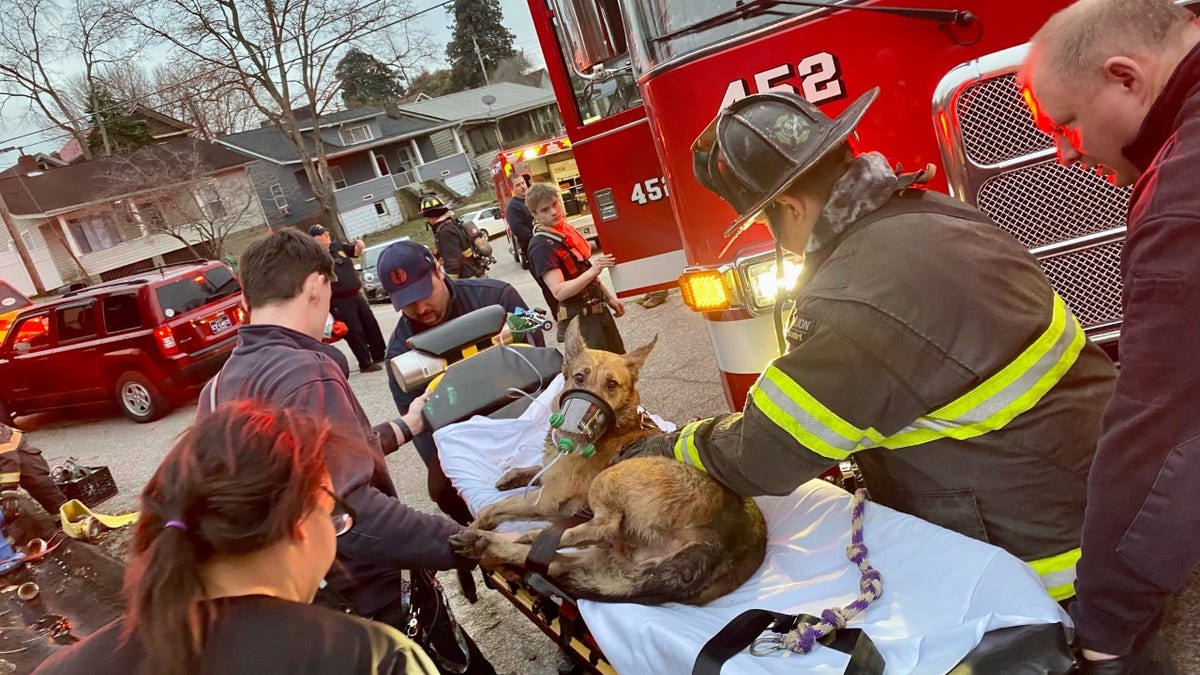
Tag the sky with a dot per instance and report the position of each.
(436, 24)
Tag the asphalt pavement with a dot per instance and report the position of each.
(679, 382)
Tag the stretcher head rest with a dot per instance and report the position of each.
(479, 385)
(450, 338)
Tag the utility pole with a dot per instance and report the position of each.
(11, 226)
(479, 54)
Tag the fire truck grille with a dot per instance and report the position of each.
(1045, 203)
(1089, 281)
(996, 125)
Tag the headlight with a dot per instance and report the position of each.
(762, 282)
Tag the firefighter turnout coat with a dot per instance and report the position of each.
(928, 345)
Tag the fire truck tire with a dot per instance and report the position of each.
(139, 398)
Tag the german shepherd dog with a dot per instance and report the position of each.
(662, 531)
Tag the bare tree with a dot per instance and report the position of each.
(173, 191)
(282, 56)
(41, 44)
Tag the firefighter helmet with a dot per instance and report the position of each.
(432, 205)
(757, 147)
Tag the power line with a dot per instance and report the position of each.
(119, 106)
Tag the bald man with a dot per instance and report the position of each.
(1118, 87)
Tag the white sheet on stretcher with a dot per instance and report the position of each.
(941, 591)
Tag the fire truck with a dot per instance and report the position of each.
(638, 80)
(549, 161)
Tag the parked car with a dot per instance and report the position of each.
(145, 341)
(490, 221)
(370, 277)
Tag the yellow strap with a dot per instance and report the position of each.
(10, 477)
(685, 446)
(75, 510)
(1058, 573)
(1013, 390)
(13, 442)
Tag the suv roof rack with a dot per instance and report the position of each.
(135, 277)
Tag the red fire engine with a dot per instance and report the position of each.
(549, 161)
(638, 80)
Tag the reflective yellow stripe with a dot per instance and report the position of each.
(814, 426)
(685, 446)
(1058, 573)
(13, 442)
(1013, 390)
(14, 477)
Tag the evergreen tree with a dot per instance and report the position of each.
(477, 22)
(432, 83)
(113, 132)
(365, 80)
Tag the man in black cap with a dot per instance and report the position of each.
(925, 343)
(418, 288)
(348, 304)
(464, 249)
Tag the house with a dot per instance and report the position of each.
(106, 218)
(382, 159)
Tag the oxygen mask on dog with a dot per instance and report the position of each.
(581, 415)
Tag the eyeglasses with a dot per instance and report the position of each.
(342, 515)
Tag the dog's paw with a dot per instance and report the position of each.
(486, 520)
(471, 543)
(517, 478)
(529, 537)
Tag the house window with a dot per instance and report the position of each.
(75, 323)
(212, 201)
(279, 197)
(483, 139)
(381, 208)
(32, 242)
(360, 133)
(381, 162)
(99, 231)
(121, 313)
(338, 178)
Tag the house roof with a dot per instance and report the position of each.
(272, 144)
(362, 112)
(83, 183)
(468, 105)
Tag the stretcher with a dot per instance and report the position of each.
(943, 593)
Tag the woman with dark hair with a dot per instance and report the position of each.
(237, 530)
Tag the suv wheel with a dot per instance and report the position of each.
(140, 399)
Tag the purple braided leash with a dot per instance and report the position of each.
(804, 637)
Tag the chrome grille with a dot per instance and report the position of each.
(1045, 203)
(1089, 281)
(995, 123)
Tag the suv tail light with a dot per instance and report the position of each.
(166, 340)
(240, 313)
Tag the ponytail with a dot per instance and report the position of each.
(234, 483)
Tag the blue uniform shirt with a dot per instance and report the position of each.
(466, 295)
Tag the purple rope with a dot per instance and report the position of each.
(804, 637)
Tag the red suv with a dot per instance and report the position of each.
(145, 341)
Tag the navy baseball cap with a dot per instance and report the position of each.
(405, 271)
(317, 230)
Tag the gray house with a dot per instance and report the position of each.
(381, 160)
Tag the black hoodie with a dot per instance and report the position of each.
(292, 370)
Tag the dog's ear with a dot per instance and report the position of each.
(637, 357)
(574, 342)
